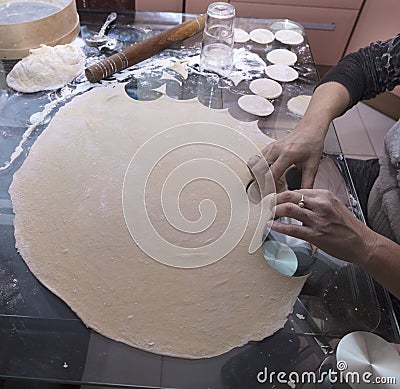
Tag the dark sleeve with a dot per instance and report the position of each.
(368, 71)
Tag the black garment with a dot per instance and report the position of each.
(365, 74)
(369, 71)
(363, 174)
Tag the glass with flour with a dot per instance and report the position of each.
(217, 45)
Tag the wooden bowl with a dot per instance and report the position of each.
(25, 25)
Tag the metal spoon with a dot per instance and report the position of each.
(100, 39)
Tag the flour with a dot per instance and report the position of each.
(247, 66)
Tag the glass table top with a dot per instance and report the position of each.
(41, 339)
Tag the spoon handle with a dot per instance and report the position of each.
(108, 21)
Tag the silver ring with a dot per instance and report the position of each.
(302, 203)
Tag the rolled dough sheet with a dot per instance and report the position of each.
(70, 228)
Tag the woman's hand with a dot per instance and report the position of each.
(327, 224)
(302, 148)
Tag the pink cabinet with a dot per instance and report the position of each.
(198, 6)
(346, 4)
(160, 5)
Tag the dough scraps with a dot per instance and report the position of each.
(281, 72)
(47, 68)
(262, 35)
(265, 87)
(255, 105)
(180, 67)
(167, 77)
(161, 89)
(71, 228)
(240, 35)
(237, 77)
(289, 37)
(283, 56)
(299, 104)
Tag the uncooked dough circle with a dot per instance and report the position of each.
(71, 230)
(256, 105)
(262, 36)
(289, 37)
(265, 87)
(283, 56)
(240, 35)
(299, 104)
(280, 72)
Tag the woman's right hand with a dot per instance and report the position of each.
(302, 147)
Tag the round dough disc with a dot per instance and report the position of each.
(265, 87)
(256, 105)
(262, 35)
(299, 104)
(240, 35)
(289, 37)
(73, 233)
(283, 56)
(281, 72)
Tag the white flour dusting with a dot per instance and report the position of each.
(247, 65)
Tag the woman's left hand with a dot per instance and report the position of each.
(327, 224)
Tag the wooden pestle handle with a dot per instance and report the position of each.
(143, 50)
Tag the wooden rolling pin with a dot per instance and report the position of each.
(143, 50)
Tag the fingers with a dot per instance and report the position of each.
(307, 196)
(279, 167)
(253, 161)
(264, 159)
(259, 165)
(293, 211)
(308, 177)
(289, 204)
(300, 232)
(264, 182)
(281, 156)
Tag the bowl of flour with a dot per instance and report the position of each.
(25, 25)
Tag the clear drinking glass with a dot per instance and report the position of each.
(217, 46)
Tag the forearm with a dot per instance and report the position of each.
(368, 71)
(329, 101)
(381, 260)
